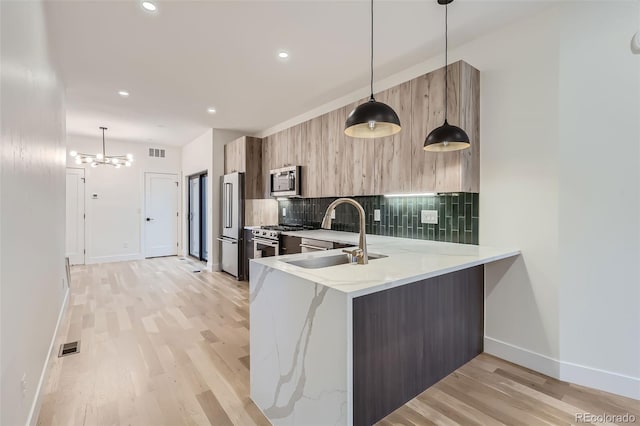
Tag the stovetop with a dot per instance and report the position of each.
(273, 231)
(283, 227)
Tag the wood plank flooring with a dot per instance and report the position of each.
(161, 345)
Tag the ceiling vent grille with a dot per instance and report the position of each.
(156, 152)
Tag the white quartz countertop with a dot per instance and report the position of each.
(408, 260)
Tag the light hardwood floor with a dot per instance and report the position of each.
(161, 345)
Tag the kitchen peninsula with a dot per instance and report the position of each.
(348, 344)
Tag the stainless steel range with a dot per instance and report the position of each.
(266, 239)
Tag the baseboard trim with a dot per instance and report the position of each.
(116, 258)
(583, 375)
(37, 400)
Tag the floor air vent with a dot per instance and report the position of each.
(69, 348)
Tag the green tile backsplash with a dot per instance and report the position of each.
(399, 216)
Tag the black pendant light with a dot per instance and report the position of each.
(446, 137)
(372, 119)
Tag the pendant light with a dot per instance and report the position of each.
(372, 119)
(446, 137)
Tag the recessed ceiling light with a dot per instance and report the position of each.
(147, 5)
(211, 110)
(283, 55)
(123, 93)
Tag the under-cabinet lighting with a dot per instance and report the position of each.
(423, 194)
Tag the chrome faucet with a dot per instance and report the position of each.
(361, 252)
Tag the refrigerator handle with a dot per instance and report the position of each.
(228, 195)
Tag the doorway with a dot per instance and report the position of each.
(161, 214)
(75, 216)
(197, 216)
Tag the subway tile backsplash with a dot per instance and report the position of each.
(399, 216)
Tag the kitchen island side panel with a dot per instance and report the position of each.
(298, 352)
(407, 338)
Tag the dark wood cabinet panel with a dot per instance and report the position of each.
(247, 252)
(407, 338)
(290, 244)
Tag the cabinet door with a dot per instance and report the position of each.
(234, 156)
(294, 146)
(228, 158)
(312, 159)
(393, 153)
(254, 176)
(332, 164)
(359, 159)
(267, 153)
(434, 171)
(290, 244)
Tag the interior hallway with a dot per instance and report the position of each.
(161, 344)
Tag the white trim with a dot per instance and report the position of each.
(35, 407)
(115, 258)
(608, 381)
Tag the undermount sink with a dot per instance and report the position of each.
(326, 261)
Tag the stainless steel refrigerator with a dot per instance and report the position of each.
(232, 223)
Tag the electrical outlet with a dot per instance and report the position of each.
(376, 215)
(429, 216)
(333, 214)
(284, 211)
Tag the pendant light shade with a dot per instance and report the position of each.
(372, 119)
(446, 137)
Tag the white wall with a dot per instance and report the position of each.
(559, 179)
(114, 225)
(32, 209)
(599, 203)
(560, 141)
(206, 153)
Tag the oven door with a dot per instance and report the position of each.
(263, 247)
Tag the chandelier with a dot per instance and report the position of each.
(101, 158)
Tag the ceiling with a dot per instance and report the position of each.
(191, 55)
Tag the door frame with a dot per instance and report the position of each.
(143, 225)
(202, 241)
(84, 214)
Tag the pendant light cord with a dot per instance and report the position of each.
(446, 61)
(372, 50)
(104, 151)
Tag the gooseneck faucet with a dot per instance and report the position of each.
(361, 252)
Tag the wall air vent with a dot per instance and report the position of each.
(156, 152)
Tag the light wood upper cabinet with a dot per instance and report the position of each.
(455, 171)
(336, 165)
(245, 155)
(234, 156)
(393, 153)
(312, 146)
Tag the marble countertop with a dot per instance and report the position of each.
(408, 261)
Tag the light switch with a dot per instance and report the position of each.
(284, 211)
(429, 216)
(376, 215)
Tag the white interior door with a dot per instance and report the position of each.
(161, 214)
(194, 216)
(74, 245)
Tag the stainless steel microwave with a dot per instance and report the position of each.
(285, 182)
